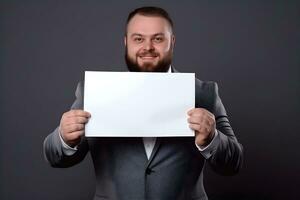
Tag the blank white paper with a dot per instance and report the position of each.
(138, 104)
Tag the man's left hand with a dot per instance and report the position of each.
(203, 123)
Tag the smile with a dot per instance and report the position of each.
(147, 57)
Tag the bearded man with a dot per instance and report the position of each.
(151, 168)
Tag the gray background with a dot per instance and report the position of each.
(251, 48)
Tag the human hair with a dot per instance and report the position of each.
(150, 11)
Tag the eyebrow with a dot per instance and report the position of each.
(138, 34)
(135, 34)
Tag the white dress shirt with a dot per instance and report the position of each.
(149, 143)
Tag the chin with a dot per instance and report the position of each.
(135, 65)
(148, 68)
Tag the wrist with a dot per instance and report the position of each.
(206, 141)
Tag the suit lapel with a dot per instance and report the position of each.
(140, 150)
(173, 70)
(155, 149)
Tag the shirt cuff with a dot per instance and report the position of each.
(209, 149)
(67, 150)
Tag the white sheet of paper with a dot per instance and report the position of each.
(138, 104)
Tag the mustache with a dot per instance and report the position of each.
(148, 53)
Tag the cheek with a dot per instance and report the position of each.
(130, 52)
(164, 47)
(133, 48)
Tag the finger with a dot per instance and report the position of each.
(78, 113)
(201, 127)
(201, 111)
(75, 135)
(73, 128)
(195, 127)
(200, 117)
(190, 111)
(197, 112)
(195, 119)
(202, 120)
(76, 120)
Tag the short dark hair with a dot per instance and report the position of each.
(150, 11)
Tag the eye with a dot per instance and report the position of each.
(158, 39)
(138, 39)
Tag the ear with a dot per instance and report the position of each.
(173, 40)
(125, 40)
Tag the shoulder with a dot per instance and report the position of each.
(206, 93)
(78, 103)
(79, 89)
(205, 86)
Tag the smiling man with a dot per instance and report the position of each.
(149, 43)
(151, 168)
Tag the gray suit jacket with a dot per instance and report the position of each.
(175, 168)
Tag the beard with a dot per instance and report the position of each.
(162, 65)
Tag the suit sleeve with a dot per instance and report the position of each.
(227, 157)
(53, 149)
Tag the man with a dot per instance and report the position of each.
(151, 168)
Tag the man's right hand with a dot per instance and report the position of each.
(72, 125)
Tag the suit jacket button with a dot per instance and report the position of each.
(149, 171)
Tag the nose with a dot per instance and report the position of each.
(148, 45)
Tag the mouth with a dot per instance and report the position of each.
(148, 57)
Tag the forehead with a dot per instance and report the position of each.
(148, 25)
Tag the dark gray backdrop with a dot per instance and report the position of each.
(251, 48)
